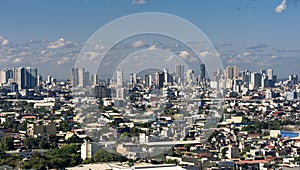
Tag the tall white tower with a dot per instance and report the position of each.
(119, 78)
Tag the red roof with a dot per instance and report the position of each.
(253, 161)
(29, 117)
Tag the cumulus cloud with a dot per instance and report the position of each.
(3, 41)
(183, 54)
(281, 7)
(138, 44)
(139, 2)
(60, 43)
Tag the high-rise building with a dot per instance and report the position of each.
(20, 77)
(256, 79)
(74, 77)
(87, 79)
(189, 76)
(202, 72)
(119, 78)
(147, 80)
(39, 80)
(158, 80)
(179, 69)
(270, 74)
(293, 79)
(5, 75)
(31, 77)
(81, 75)
(231, 72)
(94, 79)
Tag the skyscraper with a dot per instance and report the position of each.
(74, 77)
(31, 77)
(5, 75)
(270, 74)
(119, 78)
(202, 72)
(20, 77)
(81, 75)
(94, 79)
(256, 79)
(179, 69)
(231, 72)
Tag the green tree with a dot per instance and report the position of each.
(31, 143)
(7, 144)
(105, 156)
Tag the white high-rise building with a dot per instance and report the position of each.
(270, 74)
(5, 75)
(94, 79)
(119, 78)
(81, 75)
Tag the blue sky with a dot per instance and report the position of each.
(236, 21)
(255, 32)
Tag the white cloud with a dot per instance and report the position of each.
(64, 60)
(183, 54)
(137, 44)
(204, 53)
(5, 42)
(139, 2)
(246, 54)
(17, 60)
(58, 44)
(281, 7)
(152, 47)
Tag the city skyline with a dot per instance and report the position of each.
(243, 32)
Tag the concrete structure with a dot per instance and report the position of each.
(41, 129)
(88, 149)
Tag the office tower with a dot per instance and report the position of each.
(158, 80)
(81, 75)
(202, 72)
(263, 72)
(120, 93)
(293, 79)
(5, 75)
(31, 77)
(264, 81)
(94, 79)
(147, 80)
(74, 77)
(39, 80)
(179, 69)
(165, 76)
(101, 91)
(256, 79)
(231, 72)
(270, 74)
(20, 77)
(87, 79)
(245, 76)
(189, 76)
(14, 87)
(119, 78)
(49, 80)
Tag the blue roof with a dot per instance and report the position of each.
(289, 134)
